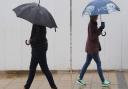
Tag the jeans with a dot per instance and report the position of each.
(39, 56)
(89, 58)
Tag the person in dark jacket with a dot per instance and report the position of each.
(39, 46)
(92, 48)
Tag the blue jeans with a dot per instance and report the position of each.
(89, 58)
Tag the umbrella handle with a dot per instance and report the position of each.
(39, 3)
(103, 34)
(27, 42)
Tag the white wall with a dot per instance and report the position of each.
(15, 55)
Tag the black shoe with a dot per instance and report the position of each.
(25, 87)
(54, 88)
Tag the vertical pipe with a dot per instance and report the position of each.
(71, 38)
(122, 41)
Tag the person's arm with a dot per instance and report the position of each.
(33, 31)
(99, 30)
(28, 42)
(95, 31)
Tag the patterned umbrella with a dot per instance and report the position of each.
(98, 7)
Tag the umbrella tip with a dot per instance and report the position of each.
(55, 29)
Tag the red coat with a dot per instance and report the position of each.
(93, 44)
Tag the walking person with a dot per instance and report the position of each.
(92, 48)
(38, 42)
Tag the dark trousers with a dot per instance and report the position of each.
(89, 58)
(39, 56)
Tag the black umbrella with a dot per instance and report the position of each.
(35, 14)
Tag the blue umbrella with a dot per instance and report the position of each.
(98, 7)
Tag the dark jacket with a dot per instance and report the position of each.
(38, 37)
(93, 44)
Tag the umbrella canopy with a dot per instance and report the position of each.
(98, 7)
(35, 14)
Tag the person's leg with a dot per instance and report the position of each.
(45, 69)
(32, 71)
(84, 69)
(99, 69)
